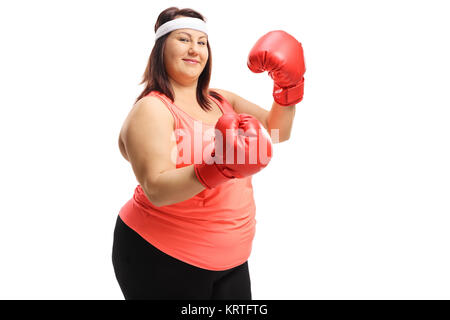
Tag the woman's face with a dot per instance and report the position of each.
(185, 54)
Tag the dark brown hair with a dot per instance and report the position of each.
(155, 76)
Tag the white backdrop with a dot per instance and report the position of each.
(354, 206)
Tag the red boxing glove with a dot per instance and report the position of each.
(238, 150)
(281, 55)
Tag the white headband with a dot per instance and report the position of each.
(181, 23)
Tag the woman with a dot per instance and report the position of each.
(187, 231)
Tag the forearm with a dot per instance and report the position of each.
(173, 186)
(280, 118)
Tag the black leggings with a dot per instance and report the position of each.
(145, 272)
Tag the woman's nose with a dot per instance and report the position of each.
(194, 47)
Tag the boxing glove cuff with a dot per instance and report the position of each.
(209, 175)
(288, 96)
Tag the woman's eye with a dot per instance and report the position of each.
(201, 42)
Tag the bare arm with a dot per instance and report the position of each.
(149, 142)
(281, 118)
(174, 186)
(278, 118)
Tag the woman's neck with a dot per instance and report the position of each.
(184, 92)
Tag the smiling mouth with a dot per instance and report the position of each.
(190, 61)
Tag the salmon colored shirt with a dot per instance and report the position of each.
(213, 230)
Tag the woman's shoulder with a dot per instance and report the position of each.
(152, 106)
(148, 110)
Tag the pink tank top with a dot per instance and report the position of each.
(213, 230)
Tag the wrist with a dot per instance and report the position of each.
(209, 175)
(288, 96)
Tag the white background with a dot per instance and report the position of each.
(354, 206)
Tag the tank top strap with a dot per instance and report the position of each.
(225, 106)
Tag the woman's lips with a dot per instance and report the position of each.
(190, 61)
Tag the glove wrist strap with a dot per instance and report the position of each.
(288, 96)
(209, 175)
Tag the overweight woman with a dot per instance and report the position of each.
(187, 231)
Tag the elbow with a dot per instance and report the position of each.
(286, 136)
(278, 138)
(283, 139)
(155, 200)
(278, 134)
(152, 194)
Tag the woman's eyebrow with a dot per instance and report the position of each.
(191, 35)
